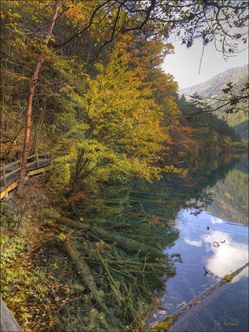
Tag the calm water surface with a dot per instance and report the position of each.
(201, 223)
(213, 242)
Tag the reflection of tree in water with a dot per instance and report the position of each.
(201, 195)
(168, 196)
(224, 193)
(231, 195)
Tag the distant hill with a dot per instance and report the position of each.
(212, 87)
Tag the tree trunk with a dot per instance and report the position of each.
(86, 275)
(33, 82)
(37, 132)
(83, 270)
(110, 236)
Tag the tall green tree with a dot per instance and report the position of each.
(31, 92)
(117, 130)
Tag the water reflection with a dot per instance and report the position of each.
(213, 242)
(231, 194)
(193, 242)
(226, 258)
(224, 245)
(225, 310)
(207, 246)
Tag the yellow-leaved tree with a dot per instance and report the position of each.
(116, 132)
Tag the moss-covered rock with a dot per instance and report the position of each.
(228, 278)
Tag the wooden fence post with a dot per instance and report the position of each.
(4, 175)
(37, 159)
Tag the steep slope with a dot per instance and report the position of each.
(214, 86)
(238, 75)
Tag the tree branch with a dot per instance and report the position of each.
(87, 26)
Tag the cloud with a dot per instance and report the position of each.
(216, 220)
(226, 258)
(193, 242)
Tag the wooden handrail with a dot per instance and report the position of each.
(10, 164)
(44, 159)
(45, 155)
(32, 156)
(38, 162)
(19, 161)
(10, 173)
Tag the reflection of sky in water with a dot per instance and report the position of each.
(226, 258)
(225, 310)
(224, 245)
(210, 248)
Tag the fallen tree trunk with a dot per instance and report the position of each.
(74, 224)
(83, 270)
(171, 321)
(85, 273)
(122, 241)
(125, 242)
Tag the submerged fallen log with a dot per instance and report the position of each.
(87, 278)
(126, 242)
(74, 224)
(128, 276)
(171, 320)
(83, 270)
(123, 242)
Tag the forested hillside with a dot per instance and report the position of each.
(103, 115)
(211, 91)
(99, 117)
(238, 75)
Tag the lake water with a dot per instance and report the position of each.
(213, 242)
(198, 224)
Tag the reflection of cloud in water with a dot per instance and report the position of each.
(216, 220)
(226, 258)
(244, 273)
(225, 254)
(193, 242)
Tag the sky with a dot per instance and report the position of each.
(184, 64)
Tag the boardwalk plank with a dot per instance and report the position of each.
(7, 321)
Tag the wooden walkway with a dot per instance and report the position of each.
(9, 173)
(7, 321)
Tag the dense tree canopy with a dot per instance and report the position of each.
(97, 96)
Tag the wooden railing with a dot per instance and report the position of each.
(9, 173)
(7, 321)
